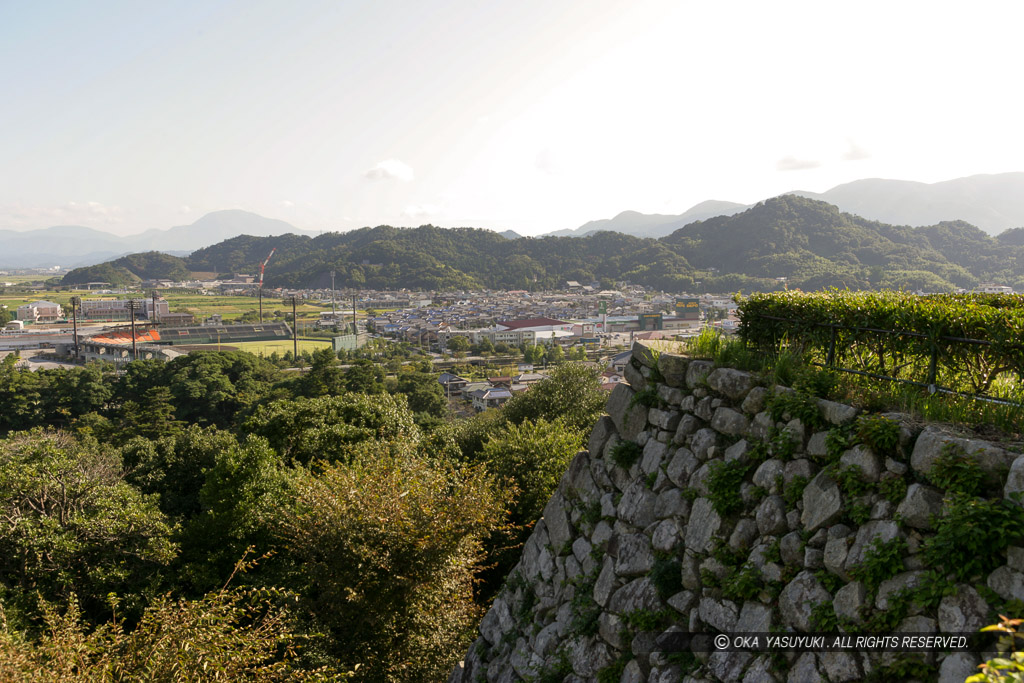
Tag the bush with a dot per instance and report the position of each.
(531, 458)
(386, 550)
(972, 535)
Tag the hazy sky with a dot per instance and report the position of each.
(531, 115)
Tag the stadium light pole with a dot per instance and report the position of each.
(131, 309)
(74, 323)
(295, 332)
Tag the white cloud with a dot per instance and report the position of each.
(184, 208)
(791, 163)
(287, 204)
(420, 211)
(546, 161)
(855, 152)
(391, 169)
(91, 214)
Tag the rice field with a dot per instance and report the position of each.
(201, 306)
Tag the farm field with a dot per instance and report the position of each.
(201, 306)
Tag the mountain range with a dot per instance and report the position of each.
(786, 241)
(76, 245)
(993, 203)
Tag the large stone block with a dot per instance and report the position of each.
(654, 455)
(1008, 583)
(734, 384)
(664, 419)
(629, 419)
(1015, 478)
(603, 428)
(697, 373)
(637, 505)
(861, 456)
(934, 440)
(823, 502)
(633, 556)
(556, 519)
(729, 422)
(673, 368)
(704, 524)
(720, 614)
(850, 600)
(963, 611)
(881, 531)
(799, 598)
(702, 441)
(636, 595)
(836, 413)
(919, 506)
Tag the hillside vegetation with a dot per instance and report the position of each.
(808, 242)
(151, 265)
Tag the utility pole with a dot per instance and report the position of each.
(74, 322)
(295, 332)
(153, 317)
(355, 330)
(334, 313)
(132, 303)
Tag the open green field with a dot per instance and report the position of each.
(199, 305)
(265, 348)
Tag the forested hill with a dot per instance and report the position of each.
(809, 242)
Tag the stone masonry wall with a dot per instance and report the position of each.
(670, 542)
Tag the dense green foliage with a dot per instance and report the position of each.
(810, 243)
(151, 265)
(847, 323)
(128, 500)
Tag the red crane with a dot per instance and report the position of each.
(263, 267)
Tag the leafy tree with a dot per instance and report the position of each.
(21, 395)
(571, 393)
(325, 377)
(243, 494)
(326, 428)
(531, 457)
(387, 547)
(555, 354)
(175, 466)
(423, 392)
(151, 418)
(227, 635)
(484, 347)
(363, 377)
(212, 387)
(458, 344)
(70, 524)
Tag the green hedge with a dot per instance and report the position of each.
(916, 327)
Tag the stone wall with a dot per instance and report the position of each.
(731, 519)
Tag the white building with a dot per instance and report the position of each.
(117, 309)
(40, 311)
(992, 288)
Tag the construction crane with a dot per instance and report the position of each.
(263, 267)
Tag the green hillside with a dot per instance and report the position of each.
(150, 265)
(808, 242)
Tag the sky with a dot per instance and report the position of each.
(530, 115)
